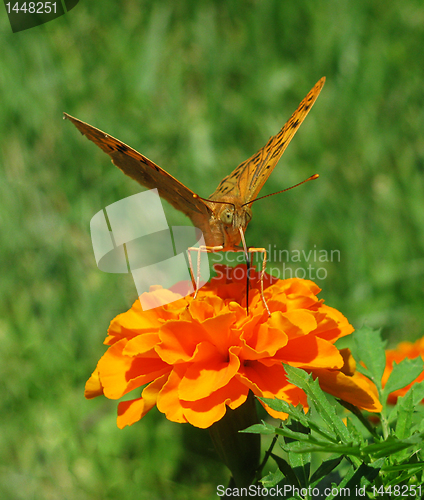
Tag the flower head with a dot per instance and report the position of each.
(199, 356)
(403, 350)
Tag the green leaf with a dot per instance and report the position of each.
(299, 436)
(282, 406)
(403, 374)
(272, 479)
(343, 483)
(298, 414)
(360, 417)
(318, 399)
(402, 467)
(287, 470)
(301, 463)
(263, 428)
(339, 449)
(365, 475)
(368, 348)
(418, 393)
(405, 410)
(392, 445)
(324, 469)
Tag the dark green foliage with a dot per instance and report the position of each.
(389, 456)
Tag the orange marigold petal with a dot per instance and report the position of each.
(332, 325)
(120, 374)
(179, 340)
(403, 350)
(168, 401)
(132, 323)
(267, 338)
(204, 412)
(310, 352)
(141, 344)
(294, 293)
(201, 379)
(291, 394)
(263, 379)
(223, 323)
(293, 323)
(200, 310)
(349, 363)
(132, 411)
(356, 390)
(257, 378)
(93, 386)
(159, 296)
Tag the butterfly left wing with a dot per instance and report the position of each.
(245, 182)
(148, 174)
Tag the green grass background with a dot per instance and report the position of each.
(197, 87)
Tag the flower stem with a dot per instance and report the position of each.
(239, 451)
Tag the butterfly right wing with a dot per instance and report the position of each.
(245, 182)
(147, 173)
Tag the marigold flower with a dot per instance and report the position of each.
(404, 350)
(199, 356)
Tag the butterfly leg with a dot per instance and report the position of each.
(201, 248)
(262, 250)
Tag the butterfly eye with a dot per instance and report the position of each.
(248, 215)
(227, 216)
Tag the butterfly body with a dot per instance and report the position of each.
(223, 226)
(224, 216)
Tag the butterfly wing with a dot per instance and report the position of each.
(147, 173)
(245, 182)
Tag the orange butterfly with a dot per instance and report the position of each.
(224, 216)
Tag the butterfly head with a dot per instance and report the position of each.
(232, 217)
(229, 218)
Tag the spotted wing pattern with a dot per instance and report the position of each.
(245, 182)
(147, 173)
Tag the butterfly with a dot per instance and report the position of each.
(224, 216)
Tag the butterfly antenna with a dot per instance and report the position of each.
(246, 253)
(197, 197)
(313, 177)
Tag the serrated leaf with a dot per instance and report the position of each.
(287, 470)
(418, 392)
(401, 478)
(298, 436)
(402, 467)
(282, 406)
(402, 375)
(368, 348)
(272, 479)
(405, 410)
(365, 474)
(343, 483)
(339, 449)
(318, 399)
(263, 428)
(301, 463)
(392, 445)
(360, 418)
(297, 414)
(324, 469)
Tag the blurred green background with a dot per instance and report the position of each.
(197, 87)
